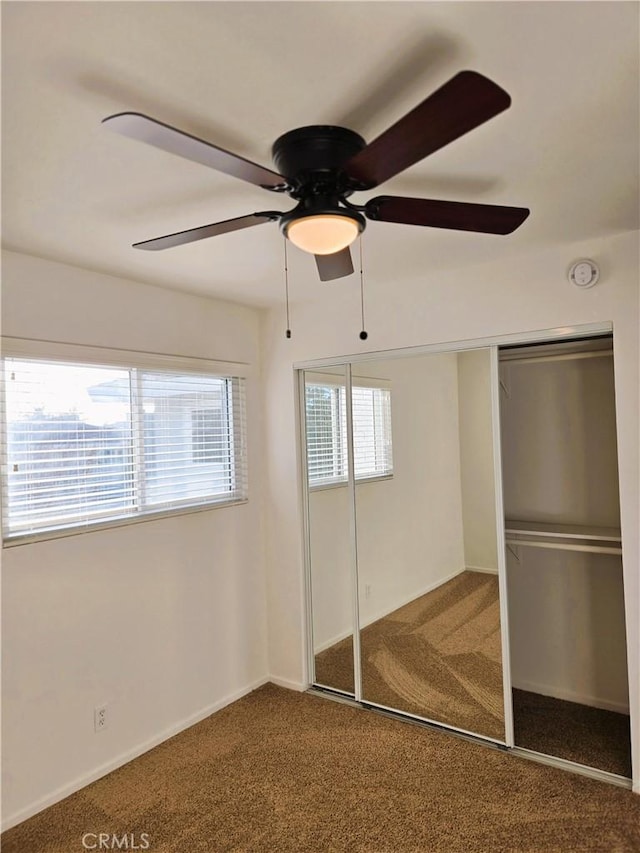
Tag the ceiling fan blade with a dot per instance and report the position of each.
(334, 266)
(461, 216)
(466, 101)
(204, 231)
(145, 129)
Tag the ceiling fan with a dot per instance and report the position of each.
(319, 167)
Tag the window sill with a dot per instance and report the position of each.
(110, 524)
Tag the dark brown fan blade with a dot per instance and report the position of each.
(145, 129)
(334, 266)
(461, 216)
(466, 101)
(204, 231)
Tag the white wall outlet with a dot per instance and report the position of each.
(100, 718)
(367, 590)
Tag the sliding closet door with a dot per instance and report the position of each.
(329, 529)
(429, 610)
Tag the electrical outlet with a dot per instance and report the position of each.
(100, 718)
(367, 590)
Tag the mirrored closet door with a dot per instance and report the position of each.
(427, 597)
(429, 610)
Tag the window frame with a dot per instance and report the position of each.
(132, 360)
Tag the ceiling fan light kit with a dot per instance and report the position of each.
(321, 166)
(323, 233)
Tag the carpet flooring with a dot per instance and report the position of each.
(284, 772)
(334, 666)
(576, 732)
(437, 657)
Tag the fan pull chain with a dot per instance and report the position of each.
(286, 288)
(363, 334)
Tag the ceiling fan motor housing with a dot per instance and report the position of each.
(309, 153)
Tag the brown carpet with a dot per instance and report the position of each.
(334, 666)
(437, 657)
(283, 772)
(576, 732)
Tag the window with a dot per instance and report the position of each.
(326, 424)
(86, 444)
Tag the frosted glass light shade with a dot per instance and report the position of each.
(323, 234)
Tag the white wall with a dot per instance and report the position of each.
(477, 470)
(409, 528)
(163, 620)
(330, 557)
(527, 293)
(566, 634)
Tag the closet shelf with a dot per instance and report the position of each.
(569, 531)
(564, 537)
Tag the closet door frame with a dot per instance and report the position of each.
(301, 430)
(509, 734)
(492, 343)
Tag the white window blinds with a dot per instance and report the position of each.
(188, 429)
(85, 444)
(326, 434)
(326, 425)
(372, 453)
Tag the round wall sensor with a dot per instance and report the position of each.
(584, 273)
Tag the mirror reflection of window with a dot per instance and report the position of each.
(327, 432)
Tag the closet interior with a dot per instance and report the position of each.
(564, 556)
(463, 543)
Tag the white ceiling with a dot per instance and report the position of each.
(240, 74)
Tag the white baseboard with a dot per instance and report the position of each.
(332, 642)
(493, 570)
(397, 605)
(570, 696)
(382, 613)
(286, 682)
(125, 757)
